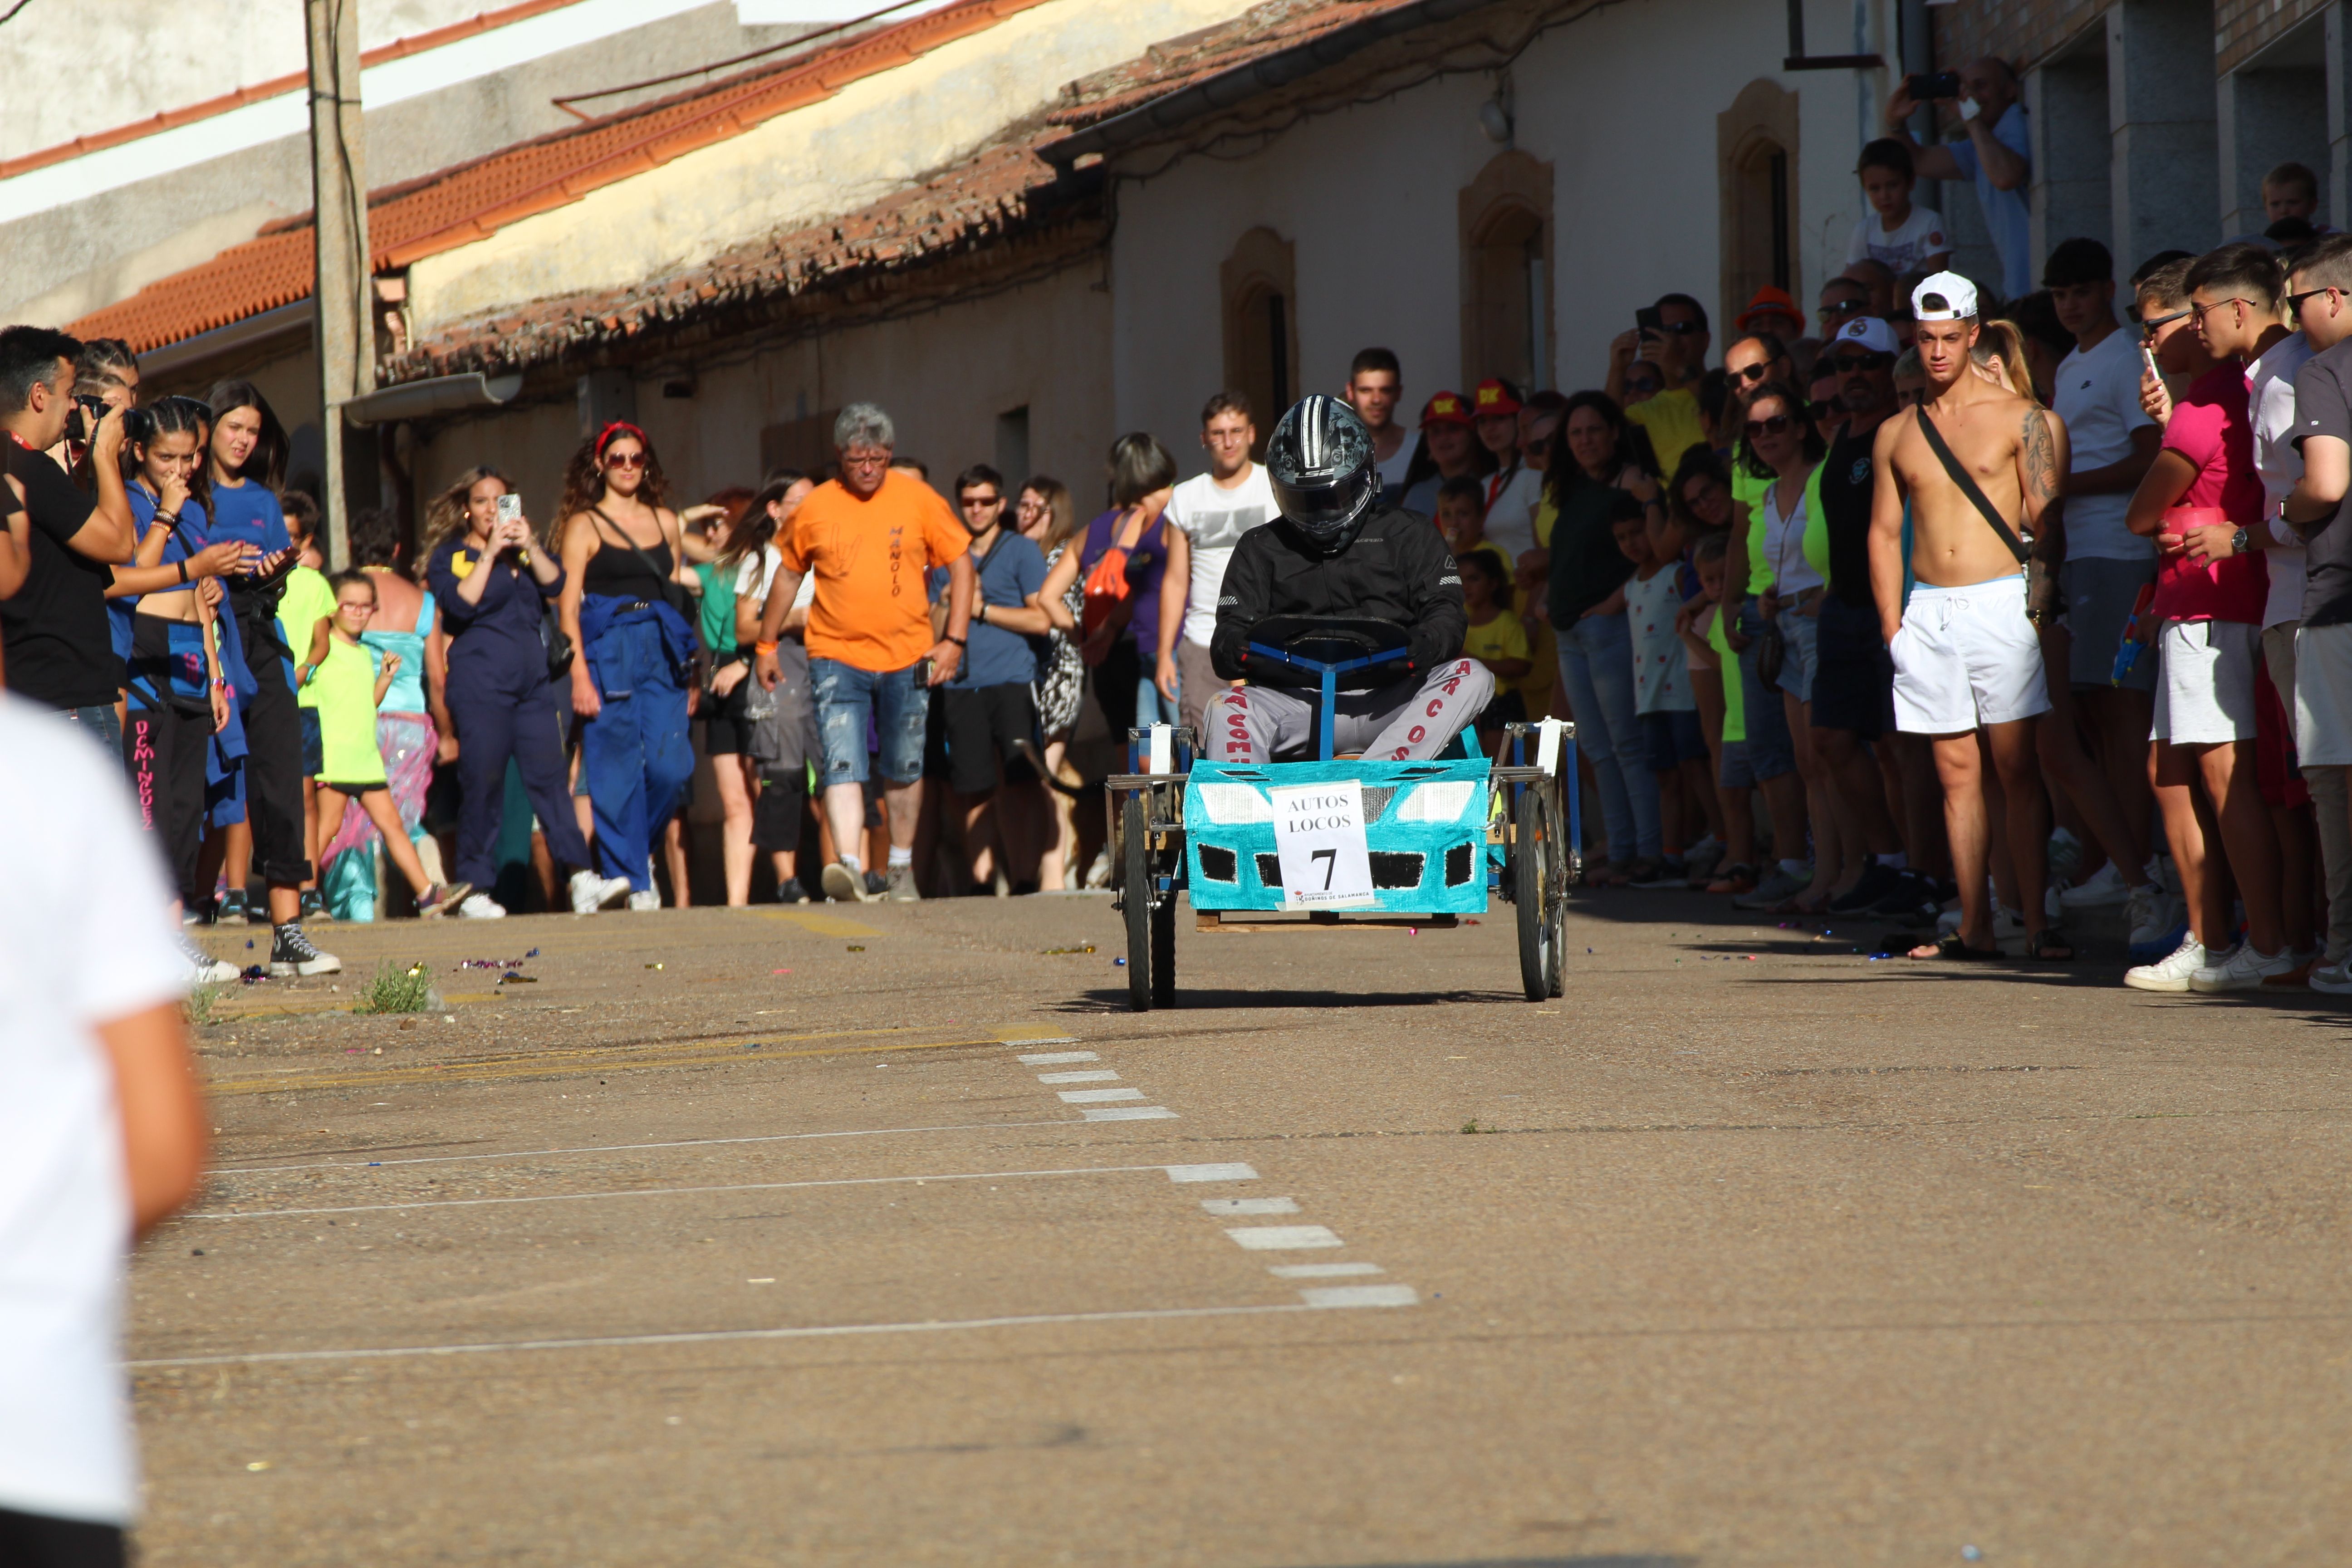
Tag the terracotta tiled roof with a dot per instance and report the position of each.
(1006, 190)
(459, 204)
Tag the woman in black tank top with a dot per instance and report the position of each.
(626, 607)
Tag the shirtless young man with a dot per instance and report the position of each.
(1966, 657)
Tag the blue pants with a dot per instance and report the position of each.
(636, 756)
(494, 724)
(848, 699)
(1596, 660)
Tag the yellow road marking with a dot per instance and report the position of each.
(822, 925)
(556, 1063)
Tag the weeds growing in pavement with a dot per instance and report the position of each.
(394, 990)
(203, 1005)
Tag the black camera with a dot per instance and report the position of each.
(1928, 89)
(82, 422)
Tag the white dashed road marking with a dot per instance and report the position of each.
(1087, 1075)
(1283, 1238)
(1050, 1058)
(1322, 1271)
(1098, 1096)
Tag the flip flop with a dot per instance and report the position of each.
(2038, 945)
(1951, 947)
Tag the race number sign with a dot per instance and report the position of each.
(1318, 836)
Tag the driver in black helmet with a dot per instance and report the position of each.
(1337, 554)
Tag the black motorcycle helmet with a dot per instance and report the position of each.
(1319, 462)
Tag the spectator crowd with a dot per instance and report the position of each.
(1979, 606)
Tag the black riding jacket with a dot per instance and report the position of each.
(1397, 569)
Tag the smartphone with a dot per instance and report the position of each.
(1649, 319)
(2148, 358)
(510, 508)
(1927, 88)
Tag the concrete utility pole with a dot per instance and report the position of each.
(344, 298)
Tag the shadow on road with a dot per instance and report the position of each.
(1195, 997)
(1613, 1560)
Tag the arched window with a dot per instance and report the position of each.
(1260, 287)
(1505, 228)
(1756, 147)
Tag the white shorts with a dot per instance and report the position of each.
(2205, 683)
(1965, 657)
(2322, 696)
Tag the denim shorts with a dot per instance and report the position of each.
(1803, 632)
(896, 703)
(1771, 750)
(1672, 737)
(1737, 772)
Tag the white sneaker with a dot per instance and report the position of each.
(845, 884)
(590, 892)
(203, 969)
(2103, 888)
(2244, 969)
(2332, 979)
(481, 907)
(639, 903)
(2171, 974)
(2150, 911)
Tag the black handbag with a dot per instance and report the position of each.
(1771, 652)
(558, 646)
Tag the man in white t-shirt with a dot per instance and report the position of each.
(2112, 441)
(102, 1128)
(1375, 383)
(1207, 516)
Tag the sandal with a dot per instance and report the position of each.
(1734, 879)
(1951, 947)
(2039, 946)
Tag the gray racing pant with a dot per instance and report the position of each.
(1406, 721)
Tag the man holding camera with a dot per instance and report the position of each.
(1994, 155)
(60, 650)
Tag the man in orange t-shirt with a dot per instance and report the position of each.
(869, 536)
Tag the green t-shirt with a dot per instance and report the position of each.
(1735, 712)
(343, 692)
(717, 621)
(306, 601)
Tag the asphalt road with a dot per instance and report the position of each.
(889, 1235)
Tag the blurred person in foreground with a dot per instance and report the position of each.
(101, 1131)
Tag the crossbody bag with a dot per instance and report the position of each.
(2021, 547)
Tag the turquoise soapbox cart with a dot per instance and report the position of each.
(1441, 836)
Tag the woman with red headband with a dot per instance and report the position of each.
(626, 607)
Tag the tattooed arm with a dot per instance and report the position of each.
(2041, 463)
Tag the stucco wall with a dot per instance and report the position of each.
(1368, 196)
(828, 158)
(944, 376)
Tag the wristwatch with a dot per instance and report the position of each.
(2240, 543)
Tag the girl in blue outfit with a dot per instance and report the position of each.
(632, 687)
(492, 586)
(176, 697)
(244, 466)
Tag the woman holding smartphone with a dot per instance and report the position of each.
(490, 586)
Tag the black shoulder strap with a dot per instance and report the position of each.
(2016, 547)
(642, 553)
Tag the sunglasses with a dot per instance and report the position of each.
(2151, 325)
(1642, 384)
(1841, 308)
(1679, 329)
(2201, 311)
(625, 460)
(1750, 373)
(2294, 301)
(1771, 426)
(1817, 412)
